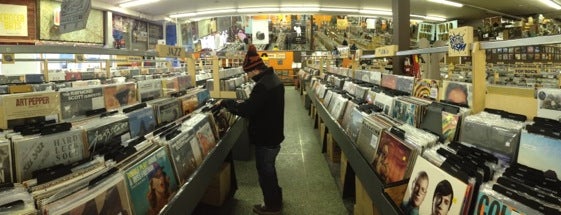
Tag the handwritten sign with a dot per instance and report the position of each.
(13, 20)
(170, 51)
(386, 51)
(459, 41)
(74, 15)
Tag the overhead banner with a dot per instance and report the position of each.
(74, 15)
(260, 34)
(13, 20)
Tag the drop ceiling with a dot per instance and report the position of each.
(473, 9)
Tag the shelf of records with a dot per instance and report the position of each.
(108, 163)
(533, 75)
(450, 159)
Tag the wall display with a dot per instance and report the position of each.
(155, 33)
(93, 32)
(392, 158)
(139, 31)
(540, 152)
(76, 102)
(141, 122)
(457, 92)
(16, 109)
(298, 33)
(120, 95)
(14, 20)
(426, 88)
(6, 173)
(370, 23)
(73, 15)
(186, 155)
(431, 190)
(549, 103)
(151, 183)
(38, 152)
(260, 34)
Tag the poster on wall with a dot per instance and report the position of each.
(204, 27)
(139, 31)
(14, 20)
(74, 15)
(298, 33)
(49, 30)
(260, 32)
(370, 23)
(155, 33)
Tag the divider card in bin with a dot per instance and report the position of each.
(16, 108)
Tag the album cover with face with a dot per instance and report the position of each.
(141, 122)
(120, 95)
(427, 88)
(457, 92)
(431, 190)
(185, 154)
(151, 183)
(76, 102)
(540, 152)
(392, 158)
(549, 103)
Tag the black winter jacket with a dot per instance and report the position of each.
(264, 109)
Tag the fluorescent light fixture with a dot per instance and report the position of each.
(376, 12)
(181, 15)
(329, 9)
(417, 16)
(446, 2)
(258, 9)
(137, 3)
(551, 4)
(216, 11)
(299, 9)
(435, 18)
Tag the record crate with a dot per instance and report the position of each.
(333, 149)
(218, 190)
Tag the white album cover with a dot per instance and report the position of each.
(549, 103)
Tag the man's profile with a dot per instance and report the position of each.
(418, 193)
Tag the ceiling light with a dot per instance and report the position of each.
(417, 16)
(137, 3)
(216, 11)
(258, 9)
(435, 18)
(180, 15)
(338, 10)
(299, 9)
(376, 12)
(551, 4)
(446, 2)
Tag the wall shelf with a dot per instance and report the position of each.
(34, 49)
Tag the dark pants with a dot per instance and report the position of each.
(265, 157)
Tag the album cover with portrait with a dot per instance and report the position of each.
(457, 92)
(141, 122)
(427, 88)
(76, 102)
(120, 95)
(6, 172)
(185, 154)
(393, 158)
(151, 183)
(432, 190)
(108, 197)
(549, 103)
(39, 152)
(540, 152)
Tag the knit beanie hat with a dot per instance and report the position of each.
(252, 60)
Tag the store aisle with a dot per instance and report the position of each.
(304, 175)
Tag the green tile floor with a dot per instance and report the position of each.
(304, 174)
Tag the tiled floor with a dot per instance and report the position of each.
(304, 174)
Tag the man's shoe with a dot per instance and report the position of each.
(264, 210)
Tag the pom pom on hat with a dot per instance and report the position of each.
(252, 60)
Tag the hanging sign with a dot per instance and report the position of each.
(386, 51)
(13, 20)
(170, 51)
(74, 15)
(459, 41)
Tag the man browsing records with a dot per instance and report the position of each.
(265, 111)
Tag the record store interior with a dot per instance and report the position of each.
(318, 107)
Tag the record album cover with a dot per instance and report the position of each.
(168, 111)
(404, 112)
(170, 85)
(184, 82)
(5, 162)
(27, 105)
(189, 103)
(426, 88)
(494, 204)
(141, 122)
(151, 183)
(186, 155)
(24, 88)
(150, 89)
(203, 96)
(38, 152)
(457, 92)
(389, 81)
(404, 84)
(540, 152)
(355, 123)
(431, 190)
(392, 158)
(75, 103)
(116, 129)
(120, 95)
(549, 103)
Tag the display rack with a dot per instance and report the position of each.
(362, 169)
(189, 195)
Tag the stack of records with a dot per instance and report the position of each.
(166, 110)
(184, 82)
(347, 114)
(337, 106)
(369, 135)
(185, 153)
(385, 102)
(539, 146)
(105, 133)
(151, 183)
(244, 91)
(76, 103)
(443, 119)
(24, 108)
(141, 121)
(170, 85)
(20, 88)
(493, 133)
(231, 84)
(14, 199)
(394, 157)
(189, 101)
(354, 124)
(549, 101)
(34, 78)
(432, 190)
(43, 87)
(419, 138)
(150, 89)
(56, 75)
(6, 173)
(490, 201)
(120, 95)
(200, 124)
(409, 110)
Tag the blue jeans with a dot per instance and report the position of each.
(265, 157)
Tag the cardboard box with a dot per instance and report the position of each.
(219, 189)
(343, 172)
(364, 205)
(333, 150)
(322, 134)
